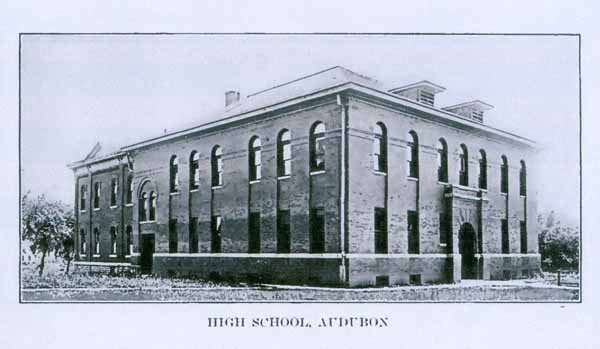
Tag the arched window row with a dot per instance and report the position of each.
(380, 161)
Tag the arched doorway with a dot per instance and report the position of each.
(467, 247)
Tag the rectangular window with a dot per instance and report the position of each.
(283, 231)
(83, 197)
(504, 179)
(523, 237)
(381, 232)
(443, 229)
(193, 234)
(172, 235)
(96, 241)
(215, 236)
(505, 247)
(254, 232)
(114, 190)
(97, 190)
(113, 240)
(317, 230)
(82, 241)
(129, 189)
(412, 158)
(413, 232)
(129, 232)
(382, 280)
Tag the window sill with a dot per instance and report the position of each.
(443, 183)
(97, 209)
(83, 255)
(523, 196)
(254, 181)
(174, 193)
(112, 255)
(379, 173)
(483, 190)
(314, 173)
(443, 244)
(284, 177)
(194, 190)
(214, 187)
(127, 256)
(504, 194)
(114, 207)
(96, 255)
(412, 179)
(82, 211)
(145, 222)
(129, 205)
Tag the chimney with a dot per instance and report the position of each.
(472, 110)
(231, 97)
(422, 92)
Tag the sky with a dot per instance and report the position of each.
(78, 90)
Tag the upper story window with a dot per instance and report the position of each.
(380, 148)
(284, 153)
(194, 170)
(482, 169)
(463, 175)
(129, 198)
(317, 147)
(412, 155)
(504, 175)
(216, 162)
(254, 159)
(174, 174)
(523, 179)
(82, 197)
(97, 190)
(442, 157)
(114, 191)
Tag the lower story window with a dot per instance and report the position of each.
(413, 232)
(317, 230)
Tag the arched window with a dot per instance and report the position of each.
(380, 148)
(412, 155)
(482, 180)
(284, 153)
(523, 179)
(504, 175)
(96, 241)
(463, 174)
(152, 207)
(83, 245)
(254, 159)
(143, 207)
(317, 147)
(482, 169)
(114, 191)
(194, 170)
(442, 155)
(128, 236)
(216, 162)
(97, 189)
(82, 197)
(129, 198)
(174, 174)
(113, 240)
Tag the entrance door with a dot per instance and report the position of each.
(467, 248)
(146, 253)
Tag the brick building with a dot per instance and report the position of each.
(328, 179)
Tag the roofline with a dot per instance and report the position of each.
(477, 101)
(295, 80)
(86, 162)
(436, 87)
(332, 90)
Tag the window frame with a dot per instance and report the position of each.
(174, 174)
(317, 149)
(194, 170)
(216, 165)
(254, 159)
(284, 163)
(412, 153)
(380, 157)
(442, 153)
(463, 168)
(482, 171)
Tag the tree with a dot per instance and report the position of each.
(559, 244)
(46, 225)
(65, 243)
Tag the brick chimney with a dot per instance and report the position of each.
(231, 97)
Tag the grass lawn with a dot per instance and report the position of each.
(55, 286)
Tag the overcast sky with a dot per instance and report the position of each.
(77, 90)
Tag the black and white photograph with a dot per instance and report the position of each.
(315, 174)
(300, 168)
